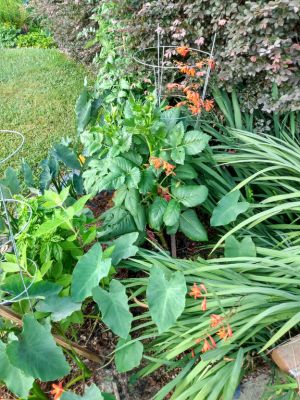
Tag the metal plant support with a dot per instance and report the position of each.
(9, 245)
(160, 65)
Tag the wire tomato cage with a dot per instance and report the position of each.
(8, 237)
(172, 61)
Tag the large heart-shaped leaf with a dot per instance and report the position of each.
(14, 378)
(88, 272)
(67, 156)
(128, 356)
(244, 248)
(192, 227)
(59, 307)
(166, 297)
(156, 213)
(114, 308)
(91, 393)
(228, 209)
(124, 247)
(190, 195)
(172, 213)
(11, 181)
(36, 353)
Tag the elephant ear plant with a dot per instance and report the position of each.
(144, 154)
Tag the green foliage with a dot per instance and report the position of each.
(29, 351)
(39, 40)
(134, 148)
(91, 393)
(13, 12)
(8, 35)
(228, 209)
(128, 354)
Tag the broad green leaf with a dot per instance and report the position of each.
(88, 272)
(178, 155)
(170, 117)
(27, 173)
(147, 181)
(59, 307)
(156, 213)
(190, 195)
(11, 181)
(67, 156)
(128, 356)
(119, 196)
(83, 109)
(228, 209)
(192, 227)
(14, 378)
(2, 224)
(234, 379)
(91, 393)
(78, 206)
(172, 230)
(195, 142)
(166, 297)
(186, 172)
(124, 247)
(49, 227)
(9, 267)
(244, 248)
(36, 352)
(140, 218)
(133, 201)
(13, 285)
(172, 213)
(133, 178)
(114, 308)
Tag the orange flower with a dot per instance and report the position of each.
(195, 110)
(181, 103)
(203, 287)
(213, 343)
(168, 168)
(195, 291)
(225, 333)
(172, 86)
(193, 353)
(81, 159)
(211, 63)
(57, 391)
(206, 346)
(200, 64)
(169, 107)
(198, 341)
(208, 105)
(183, 51)
(204, 305)
(216, 320)
(156, 162)
(188, 70)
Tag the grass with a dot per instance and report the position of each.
(38, 91)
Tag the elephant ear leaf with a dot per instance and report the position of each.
(166, 297)
(228, 209)
(91, 393)
(35, 352)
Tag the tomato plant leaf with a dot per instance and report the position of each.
(14, 378)
(36, 353)
(228, 209)
(192, 227)
(88, 272)
(114, 308)
(166, 297)
(128, 356)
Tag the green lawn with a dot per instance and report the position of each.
(38, 91)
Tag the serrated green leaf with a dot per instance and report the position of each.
(132, 201)
(166, 297)
(147, 181)
(186, 172)
(88, 272)
(190, 195)
(228, 209)
(59, 307)
(114, 308)
(128, 357)
(36, 353)
(192, 227)
(172, 213)
(195, 142)
(14, 378)
(156, 213)
(178, 155)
